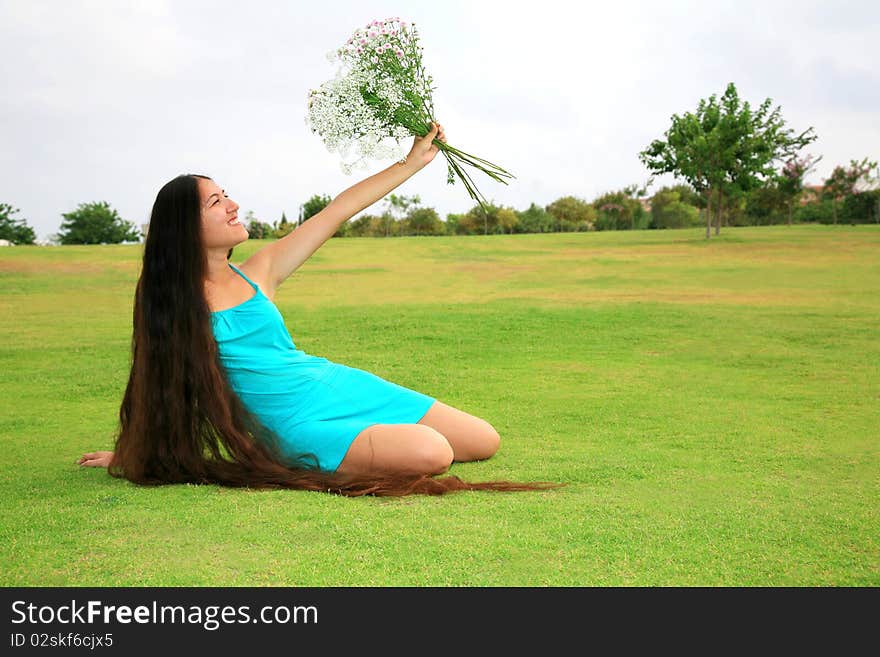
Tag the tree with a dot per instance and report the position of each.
(507, 220)
(282, 227)
(862, 207)
(385, 225)
(572, 214)
(534, 220)
(480, 219)
(688, 194)
(725, 148)
(669, 211)
(790, 181)
(15, 230)
(844, 181)
(257, 229)
(424, 221)
(766, 205)
(397, 206)
(453, 221)
(360, 227)
(620, 210)
(314, 205)
(96, 223)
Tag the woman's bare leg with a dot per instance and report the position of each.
(411, 448)
(472, 438)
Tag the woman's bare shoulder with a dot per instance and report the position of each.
(257, 270)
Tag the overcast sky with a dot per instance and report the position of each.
(107, 101)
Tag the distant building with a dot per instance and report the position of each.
(6, 243)
(869, 185)
(812, 194)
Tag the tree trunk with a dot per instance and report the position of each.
(790, 203)
(718, 212)
(834, 210)
(708, 214)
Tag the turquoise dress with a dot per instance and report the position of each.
(315, 406)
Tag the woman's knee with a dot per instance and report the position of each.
(433, 454)
(490, 443)
(399, 448)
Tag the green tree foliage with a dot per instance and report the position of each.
(282, 227)
(618, 210)
(572, 214)
(862, 207)
(507, 220)
(391, 222)
(668, 210)
(766, 205)
(360, 226)
(844, 181)
(399, 205)
(534, 220)
(485, 219)
(478, 220)
(687, 194)
(790, 181)
(313, 206)
(96, 223)
(15, 230)
(385, 225)
(423, 221)
(725, 148)
(453, 221)
(257, 229)
(818, 212)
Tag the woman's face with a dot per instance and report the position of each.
(221, 226)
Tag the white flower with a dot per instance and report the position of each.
(350, 126)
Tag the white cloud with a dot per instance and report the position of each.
(107, 101)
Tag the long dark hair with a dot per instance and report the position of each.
(180, 420)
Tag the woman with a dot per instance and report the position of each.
(218, 391)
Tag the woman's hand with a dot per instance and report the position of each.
(423, 149)
(96, 459)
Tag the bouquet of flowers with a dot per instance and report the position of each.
(381, 92)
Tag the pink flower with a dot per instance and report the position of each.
(398, 52)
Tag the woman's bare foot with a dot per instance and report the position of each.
(96, 459)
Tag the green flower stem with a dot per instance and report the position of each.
(468, 183)
(478, 159)
(469, 159)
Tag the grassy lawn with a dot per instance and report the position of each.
(714, 406)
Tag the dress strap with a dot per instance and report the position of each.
(255, 286)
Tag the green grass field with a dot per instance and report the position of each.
(713, 405)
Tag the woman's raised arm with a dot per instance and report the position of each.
(284, 256)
